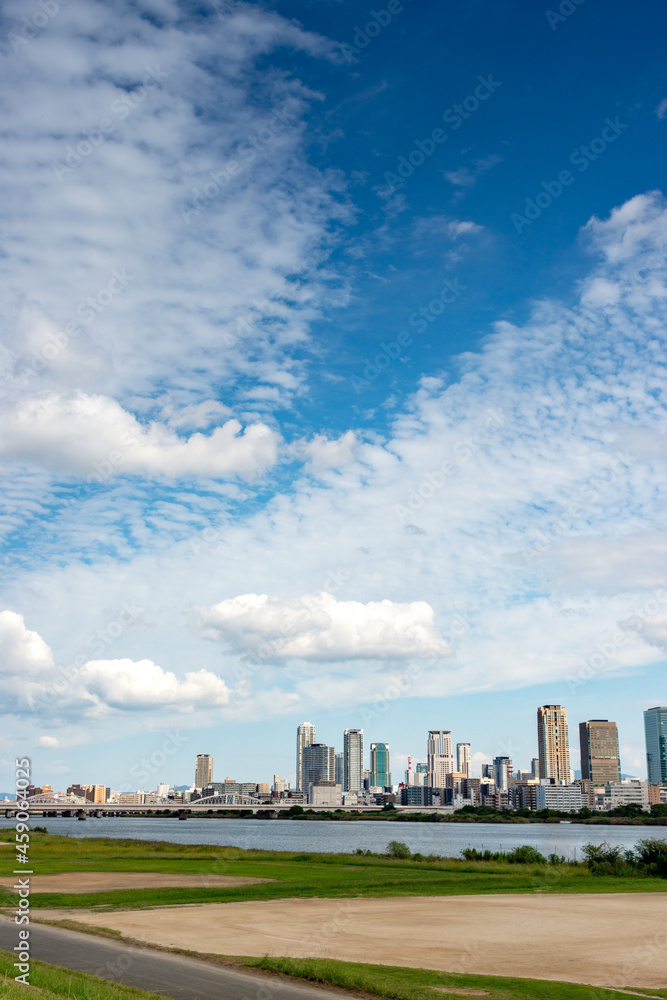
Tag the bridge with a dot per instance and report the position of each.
(45, 805)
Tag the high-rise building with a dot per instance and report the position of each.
(203, 770)
(502, 772)
(463, 759)
(600, 760)
(535, 766)
(380, 770)
(339, 765)
(353, 760)
(280, 785)
(318, 764)
(655, 730)
(553, 745)
(440, 756)
(305, 737)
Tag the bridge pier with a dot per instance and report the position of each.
(81, 814)
(182, 814)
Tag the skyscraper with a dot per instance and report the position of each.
(339, 776)
(380, 772)
(502, 772)
(353, 759)
(600, 760)
(440, 756)
(305, 736)
(463, 759)
(552, 742)
(318, 764)
(203, 770)
(655, 730)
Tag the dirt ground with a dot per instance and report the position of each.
(617, 939)
(108, 881)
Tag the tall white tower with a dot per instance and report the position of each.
(353, 759)
(305, 737)
(463, 759)
(440, 756)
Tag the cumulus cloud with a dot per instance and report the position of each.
(50, 742)
(135, 685)
(94, 437)
(22, 651)
(32, 682)
(324, 453)
(318, 627)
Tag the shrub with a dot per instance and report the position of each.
(396, 849)
(605, 859)
(651, 856)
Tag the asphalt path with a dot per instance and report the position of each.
(170, 975)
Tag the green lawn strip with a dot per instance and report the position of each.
(418, 984)
(50, 982)
(293, 875)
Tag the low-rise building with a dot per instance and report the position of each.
(325, 793)
(630, 791)
(564, 798)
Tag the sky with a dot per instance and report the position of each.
(333, 379)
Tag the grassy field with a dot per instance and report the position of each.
(49, 982)
(422, 984)
(295, 875)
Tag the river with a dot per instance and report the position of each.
(322, 836)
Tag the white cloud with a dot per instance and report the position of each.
(653, 628)
(94, 437)
(661, 110)
(318, 627)
(32, 681)
(50, 742)
(197, 192)
(520, 501)
(324, 453)
(133, 685)
(22, 651)
(461, 227)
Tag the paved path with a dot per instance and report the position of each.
(170, 975)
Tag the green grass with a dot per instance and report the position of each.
(49, 982)
(418, 984)
(294, 875)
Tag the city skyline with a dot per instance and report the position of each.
(325, 762)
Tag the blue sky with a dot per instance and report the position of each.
(288, 435)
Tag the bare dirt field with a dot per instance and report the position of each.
(108, 881)
(608, 939)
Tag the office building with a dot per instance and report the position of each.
(564, 798)
(305, 737)
(600, 760)
(630, 791)
(353, 760)
(318, 764)
(503, 771)
(339, 765)
(535, 767)
(380, 771)
(280, 785)
(655, 731)
(440, 757)
(463, 759)
(325, 793)
(553, 745)
(203, 770)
